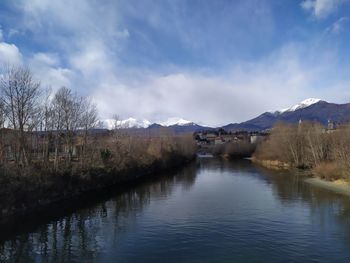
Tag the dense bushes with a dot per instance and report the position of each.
(112, 159)
(310, 145)
(237, 149)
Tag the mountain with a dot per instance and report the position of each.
(175, 121)
(135, 123)
(188, 128)
(307, 110)
(176, 128)
(174, 124)
(110, 124)
(301, 105)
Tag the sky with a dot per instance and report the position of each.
(209, 61)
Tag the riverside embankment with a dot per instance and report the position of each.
(25, 191)
(339, 186)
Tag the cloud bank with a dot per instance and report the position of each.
(321, 8)
(9, 54)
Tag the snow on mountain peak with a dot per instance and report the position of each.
(304, 104)
(175, 121)
(133, 123)
(111, 124)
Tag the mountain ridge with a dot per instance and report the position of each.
(311, 109)
(321, 111)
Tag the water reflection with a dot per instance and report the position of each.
(81, 236)
(281, 205)
(327, 209)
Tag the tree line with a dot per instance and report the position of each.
(51, 130)
(35, 117)
(310, 145)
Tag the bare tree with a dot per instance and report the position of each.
(47, 124)
(340, 150)
(2, 113)
(317, 144)
(2, 124)
(88, 121)
(68, 108)
(89, 114)
(20, 95)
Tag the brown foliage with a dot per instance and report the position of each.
(331, 171)
(309, 145)
(127, 150)
(235, 149)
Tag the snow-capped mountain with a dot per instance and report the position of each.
(135, 123)
(304, 104)
(127, 123)
(314, 110)
(308, 110)
(175, 121)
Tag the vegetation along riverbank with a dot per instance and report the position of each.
(308, 145)
(51, 150)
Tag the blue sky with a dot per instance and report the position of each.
(212, 62)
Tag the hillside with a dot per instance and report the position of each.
(320, 111)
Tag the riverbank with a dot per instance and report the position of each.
(308, 146)
(26, 196)
(271, 164)
(338, 186)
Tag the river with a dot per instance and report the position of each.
(210, 211)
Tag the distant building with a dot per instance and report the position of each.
(223, 137)
(256, 138)
(211, 137)
(218, 140)
(227, 137)
(331, 125)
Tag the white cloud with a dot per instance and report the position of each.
(122, 34)
(9, 54)
(46, 58)
(90, 60)
(337, 26)
(80, 21)
(85, 34)
(1, 35)
(321, 8)
(46, 67)
(13, 32)
(243, 92)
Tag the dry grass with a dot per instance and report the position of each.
(107, 162)
(331, 171)
(309, 145)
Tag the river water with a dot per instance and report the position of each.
(211, 211)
